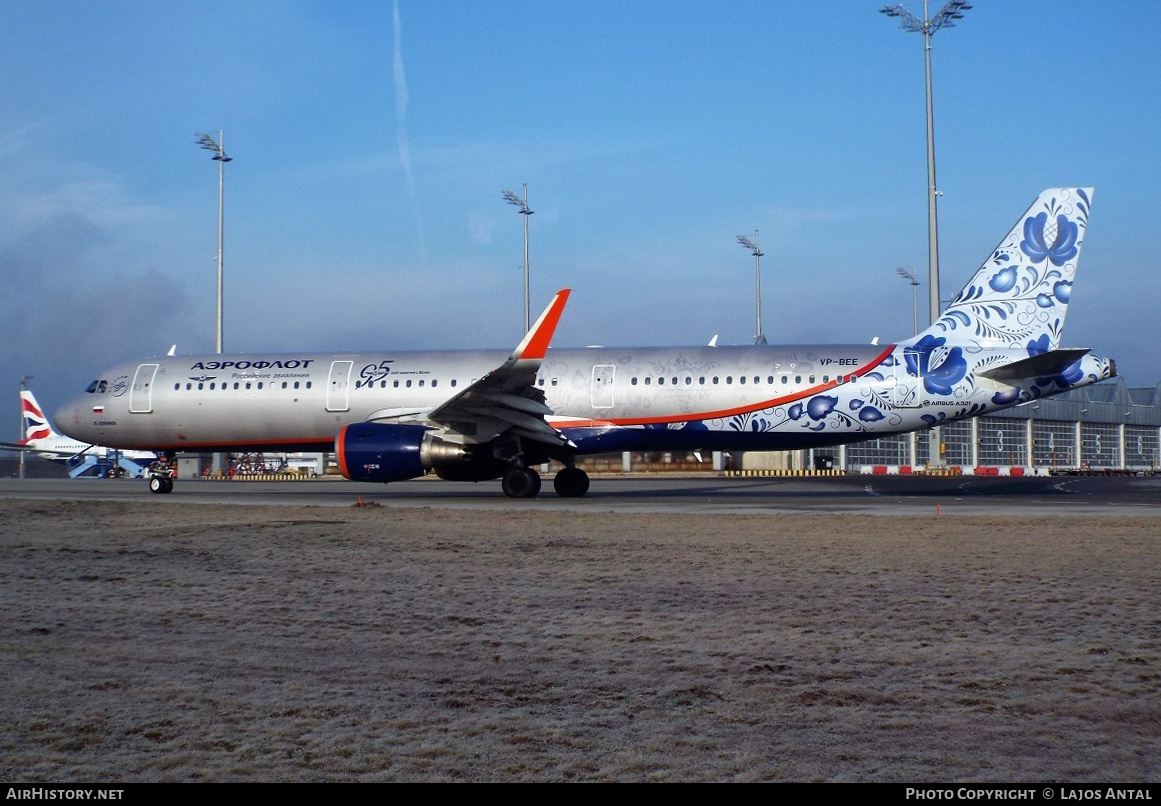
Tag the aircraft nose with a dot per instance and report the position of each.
(67, 418)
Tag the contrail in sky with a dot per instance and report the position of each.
(401, 127)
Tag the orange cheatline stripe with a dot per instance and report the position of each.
(714, 415)
(565, 424)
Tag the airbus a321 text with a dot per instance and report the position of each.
(475, 415)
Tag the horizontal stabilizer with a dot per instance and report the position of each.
(1052, 362)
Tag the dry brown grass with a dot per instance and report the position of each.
(251, 643)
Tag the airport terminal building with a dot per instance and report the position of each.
(1108, 426)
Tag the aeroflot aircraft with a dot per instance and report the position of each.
(476, 415)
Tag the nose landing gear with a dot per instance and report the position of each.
(160, 475)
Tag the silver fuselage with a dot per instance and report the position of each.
(603, 399)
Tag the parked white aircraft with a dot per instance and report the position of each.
(39, 438)
(475, 415)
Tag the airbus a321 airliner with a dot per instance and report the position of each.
(476, 415)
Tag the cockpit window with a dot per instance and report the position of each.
(97, 387)
(91, 388)
(101, 387)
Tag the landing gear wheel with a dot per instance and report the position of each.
(156, 485)
(521, 482)
(168, 486)
(571, 482)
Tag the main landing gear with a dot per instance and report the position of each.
(524, 482)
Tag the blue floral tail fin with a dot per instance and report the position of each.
(1019, 297)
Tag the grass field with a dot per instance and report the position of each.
(235, 643)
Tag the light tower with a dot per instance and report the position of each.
(512, 198)
(23, 385)
(944, 18)
(218, 148)
(759, 337)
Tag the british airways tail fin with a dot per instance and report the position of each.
(1019, 297)
(35, 426)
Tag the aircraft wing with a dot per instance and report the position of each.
(506, 400)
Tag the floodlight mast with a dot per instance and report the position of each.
(512, 198)
(944, 18)
(759, 337)
(909, 275)
(218, 148)
(23, 385)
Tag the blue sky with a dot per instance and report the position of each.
(363, 204)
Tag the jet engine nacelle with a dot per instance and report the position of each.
(381, 453)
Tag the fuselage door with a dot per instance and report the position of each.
(602, 391)
(907, 386)
(141, 393)
(339, 386)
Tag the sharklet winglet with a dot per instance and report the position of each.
(534, 346)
